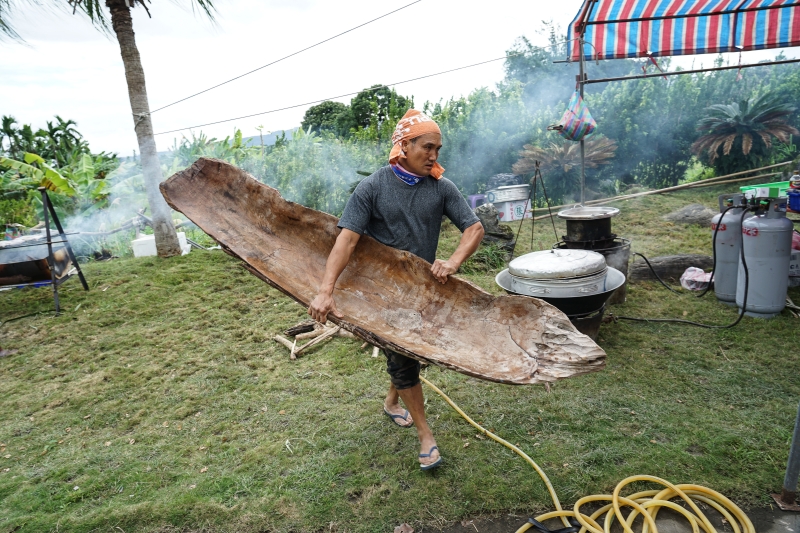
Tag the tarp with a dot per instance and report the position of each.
(617, 29)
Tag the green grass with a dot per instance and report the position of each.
(160, 395)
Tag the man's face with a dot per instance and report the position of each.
(422, 153)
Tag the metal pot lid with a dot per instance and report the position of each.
(506, 187)
(557, 264)
(581, 212)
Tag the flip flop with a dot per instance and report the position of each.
(394, 418)
(433, 465)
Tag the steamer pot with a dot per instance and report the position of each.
(575, 305)
(560, 288)
(557, 264)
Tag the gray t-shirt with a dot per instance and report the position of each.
(403, 216)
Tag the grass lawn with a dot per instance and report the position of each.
(158, 402)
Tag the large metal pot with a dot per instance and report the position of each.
(588, 223)
(575, 305)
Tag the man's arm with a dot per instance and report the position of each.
(470, 240)
(337, 261)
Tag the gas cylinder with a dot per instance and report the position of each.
(727, 245)
(767, 244)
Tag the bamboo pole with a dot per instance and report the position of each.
(708, 182)
(692, 185)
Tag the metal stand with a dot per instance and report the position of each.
(786, 499)
(47, 207)
(581, 81)
(531, 201)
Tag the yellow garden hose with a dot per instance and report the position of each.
(645, 503)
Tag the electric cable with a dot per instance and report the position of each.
(285, 57)
(358, 92)
(653, 270)
(713, 262)
(385, 86)
(698, 324)
(646, 503)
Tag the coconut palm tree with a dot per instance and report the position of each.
(560, 161)
(119, 12)
(739, 135)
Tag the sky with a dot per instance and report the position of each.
(68, 68)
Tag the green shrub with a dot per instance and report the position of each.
(17, 212)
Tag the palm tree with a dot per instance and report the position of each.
(743, 131)
(560, 160)
(122, 25)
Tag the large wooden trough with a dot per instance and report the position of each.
(388, 297)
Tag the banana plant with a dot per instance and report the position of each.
(39, 173)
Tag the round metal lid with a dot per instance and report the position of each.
(557, 264)
(581, 212)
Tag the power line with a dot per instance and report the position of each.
(286, 57)
(332, 97)
(357, 92)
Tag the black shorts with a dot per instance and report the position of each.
(403, 371)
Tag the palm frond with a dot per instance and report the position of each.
(747, 143)
(6, 30)
(766, 138)
(726, 148)
(714, 147)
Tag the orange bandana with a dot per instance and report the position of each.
(413, 124)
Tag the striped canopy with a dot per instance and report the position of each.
(616, 29)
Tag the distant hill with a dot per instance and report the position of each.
(269, 138)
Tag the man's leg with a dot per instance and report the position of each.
(415, 403)
(404, 375)
(392, 406)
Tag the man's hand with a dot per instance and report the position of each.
(322, 305)
(466, 247)
(442, 269)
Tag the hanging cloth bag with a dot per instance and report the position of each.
(577, 122)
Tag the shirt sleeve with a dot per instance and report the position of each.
(456, 207)
(358, 210)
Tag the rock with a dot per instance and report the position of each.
(495, 233)
(488, 215)
(692, 214)
(668, 266)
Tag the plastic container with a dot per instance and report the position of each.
(794, 200)
(145, 245)
(508, 193)
(766, 190)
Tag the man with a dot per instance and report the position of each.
(401, 205)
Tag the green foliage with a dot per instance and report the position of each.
(17, 212)
(482, 134)
(316, 170)
(57, 144)
(545, 82)
(738, 136)
(487, 259)
(35, 172)
(326, 117)
(230, 149)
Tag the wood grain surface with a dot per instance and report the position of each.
(388, 297)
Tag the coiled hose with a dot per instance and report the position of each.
(646, 503)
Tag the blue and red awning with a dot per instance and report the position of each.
(617, 29)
